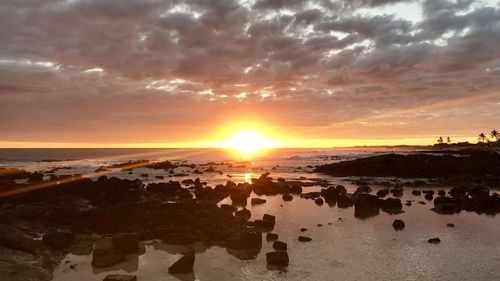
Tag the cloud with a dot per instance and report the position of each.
(170, 64)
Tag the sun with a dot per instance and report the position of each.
(248, 141)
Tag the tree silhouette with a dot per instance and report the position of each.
(495, 134)
(448, 140)
(482, 137)
(440, 140)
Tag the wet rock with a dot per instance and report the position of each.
(450, 225)
(58, 239)
(239, 196)
(287, 197)
(243, 213)
(120, 277)
(344, 201)
(330, 194)
(35, 177)
(278, 245)
(318, 201)
(183, 265)
(228, 208)
(245, 240)
(434, 240)
(366, 205)
(271, 236)
(303, 229)
(257, 201)
(445, 205)
(428, 196)
(382, 193)
(458, 192)
(304, 239)
(128, 243)
(398, 225)
(277, 259)
(105, 255)
(416, 192)
(262, 224)
(310, 195)
(363, 189)
(269, 218)
(421, 202)
(441, 192)
(144, 175)
(391, 205)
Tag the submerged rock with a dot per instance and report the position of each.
(287, 197)
(271, 236)
(257, 201)
(398, 225)
(279, 245)
(434, 240)
(304, 239)
(120, 277)
(277, 259)
(105, 255)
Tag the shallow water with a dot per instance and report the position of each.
(343, 248)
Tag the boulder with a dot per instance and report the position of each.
(244, 240)
(269, 218)
(104, 255)
(58, 239)
(366, 205)
(434, 240)
(382, 193)
(363, 189)
(319, 201)
(278, 245)
(416, 192)
(263, 224)
(128, 243)
(120, 277)
(344, 200)
(243, 213)
(183, 265)
(228, 208)
(277, 259)
(257, 201)
(398, 225)
(287, 197)
(304, 239)
(271, 236)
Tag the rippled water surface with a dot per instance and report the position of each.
(343, 248)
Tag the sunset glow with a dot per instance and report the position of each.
(248, 141)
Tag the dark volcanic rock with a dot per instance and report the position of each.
(416, 192)
(57, 239)
(382, 193)
(245, 240)
(344, 201)
(243, 213)
(319, 201)
(269, 218)
(450, 225)
(105, 255)
(120, 277)
(257, 201)
(128, 243)
(277, 259)
(398, 225)
(366, 205)
(278, 245)
(271, 236)
(304, 239)
(434, 240)
(183, 265)
(363, 189)
(287, 197)
(417, 165)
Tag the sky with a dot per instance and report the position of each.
(105, 73)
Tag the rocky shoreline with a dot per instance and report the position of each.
(108, 217)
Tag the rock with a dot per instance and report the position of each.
(318, 201)
(310, 195)
(263, 224)
(183, 265)
(243, 213)
(303, 229)
(277, 259)
(257, 201)
(445, 205)
(271, 236)
(398, 225)
(304, 239)
(128, 243)
(269, 218)
(421, 202)
(441, 192)
(363, 189)
(245, 240)
(450, 225)
(105, 255)
(58, 239)
(278, 245)
(344, 201)
(287, 197)
(36, 177)
(382, 193)
(434, 240)
(229, 208)
(428, 196)
(366, 205)
(416, 192)
(120, 277)
(391, 205)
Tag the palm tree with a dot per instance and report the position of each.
(448, 140)
(495, 134)
(440, 140)
(482, 137)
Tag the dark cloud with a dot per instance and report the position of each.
(120, 64)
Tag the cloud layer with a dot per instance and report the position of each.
(105, 70)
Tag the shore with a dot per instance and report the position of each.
(109, 218)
